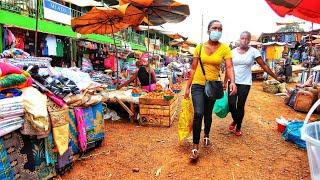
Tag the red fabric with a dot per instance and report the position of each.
(20, 41)
(109, 63)
(305, 9)
(9, 69)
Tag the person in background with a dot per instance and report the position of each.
(142, 74)
(212, 54)
(110, 60)
(287, 68)
(296, 56)
(304, 56)
(244, 57)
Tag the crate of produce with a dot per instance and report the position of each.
(157, 111)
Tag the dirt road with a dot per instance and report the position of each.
(260, 153)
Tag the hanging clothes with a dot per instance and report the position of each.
(270, 50)
(278, 52)
(20, 41)
(298, 37)
(51, 44)
(60, 46)
(8, 39)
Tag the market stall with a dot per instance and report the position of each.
(49, 115)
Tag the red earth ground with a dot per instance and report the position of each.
(155, 153)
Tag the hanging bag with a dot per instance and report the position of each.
(221, 106)
(213, 89)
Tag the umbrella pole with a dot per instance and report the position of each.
(148, 53)
(310, 51)
(116, 51)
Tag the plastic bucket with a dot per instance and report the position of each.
(310, 132)
(281, 127)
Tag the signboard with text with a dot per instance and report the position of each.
(56, 12)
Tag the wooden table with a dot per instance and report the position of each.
(122, 97)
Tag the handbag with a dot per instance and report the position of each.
(213, 89)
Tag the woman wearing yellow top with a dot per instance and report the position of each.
(213, 53)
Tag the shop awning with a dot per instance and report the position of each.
(24, 22)
(304, 9)
(274, 43)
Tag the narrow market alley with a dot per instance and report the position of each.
(136, 152)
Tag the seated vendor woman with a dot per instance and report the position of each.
(143, 76)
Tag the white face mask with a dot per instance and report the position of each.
(215, 35)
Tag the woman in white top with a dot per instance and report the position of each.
(243, 58)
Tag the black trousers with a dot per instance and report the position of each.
(202, 106)
(237, 103)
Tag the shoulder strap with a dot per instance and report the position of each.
(204, 73)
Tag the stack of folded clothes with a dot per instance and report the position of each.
(11, 111)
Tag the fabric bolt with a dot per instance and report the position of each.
(7, 68)
(12, 113)
(8, 93)
(61, 138)
(42, 62)
(89, 121)
(14, 100)
(64, 161)
(57, 100)
(9, 121)
(10, 127)
(37, 108)
(51, 157)
(81, 127)
(51, 43)
(11, 107)
(11, 80)
(99, 129)
(5, 167)
(211, 63)
(40, 123)
(27, 83)
(60, 126)
(73, 132)
(28, 129)
(27, 157)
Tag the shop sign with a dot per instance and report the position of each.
(56, 12)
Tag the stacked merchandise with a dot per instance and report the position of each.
(11, 111)
(42, 143)
(99, 77)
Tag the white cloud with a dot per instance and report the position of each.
(236, 16)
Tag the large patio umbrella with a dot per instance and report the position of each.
(101, 20)
(305, 9)
(158, 12)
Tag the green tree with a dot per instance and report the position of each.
(292, 27)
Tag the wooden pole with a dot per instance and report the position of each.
(36, 33)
